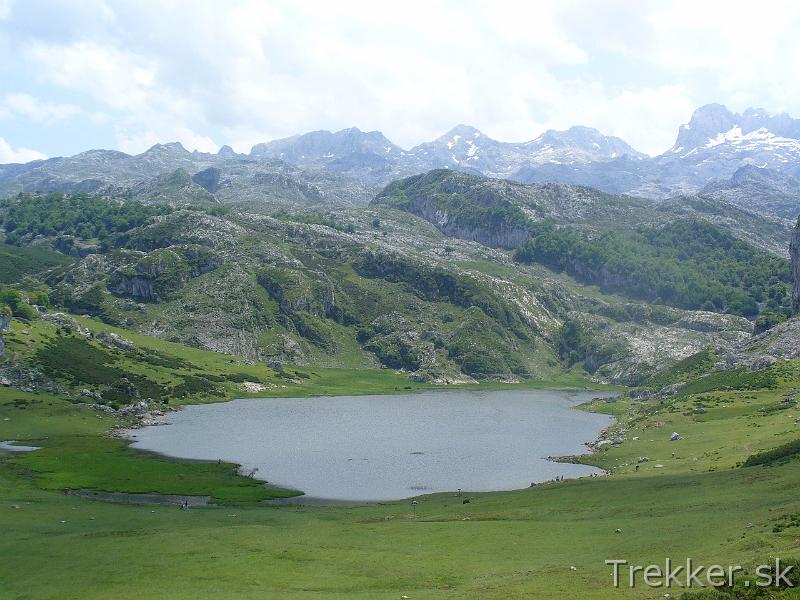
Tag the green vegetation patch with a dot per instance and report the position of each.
(687, 264)
(466, 204)
(775, 456)
(736, 379)
(77, 361)
(81, 216)
(689, 368)
(16, 263)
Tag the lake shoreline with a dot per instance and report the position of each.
(245, 467)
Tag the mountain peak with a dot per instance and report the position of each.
(176, 147)
(713, 124)
(706, 123)
(226, 152)
(580, 144)
(326, 146)
(463, 131)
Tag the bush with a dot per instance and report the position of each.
(775, 456)
(18, 305)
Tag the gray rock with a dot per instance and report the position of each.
(115, 340)
(5, 319)
(66, 322)
(138, 409)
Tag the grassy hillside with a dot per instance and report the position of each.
(16, 262)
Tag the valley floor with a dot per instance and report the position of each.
(689, 499)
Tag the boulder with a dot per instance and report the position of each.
(66, 322)
(137, 409)
(115, 340)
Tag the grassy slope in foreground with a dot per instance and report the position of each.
(500, 545)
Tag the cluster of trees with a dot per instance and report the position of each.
(687, 264)
(79, 215)
(15, 303)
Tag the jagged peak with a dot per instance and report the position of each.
(168, 147)
(463, 131)
(713, 124)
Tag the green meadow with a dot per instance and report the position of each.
(688, 498)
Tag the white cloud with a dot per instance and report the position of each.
(17, 155)
(35, 109)
(254, 70)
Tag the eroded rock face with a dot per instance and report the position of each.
(794, 250)
(5, 325)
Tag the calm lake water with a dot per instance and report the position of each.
(388, 447)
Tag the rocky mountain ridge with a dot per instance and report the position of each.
(711, 147)
(450, 200)
(761, 190)
(750, 159)
(169, 173)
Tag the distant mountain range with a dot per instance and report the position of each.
(709, 150)
(372, 157)
(750, 159)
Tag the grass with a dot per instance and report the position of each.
(16, 262)
(513, 545)
(79, 452)
(501, 545)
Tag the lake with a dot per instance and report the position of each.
(388, 447)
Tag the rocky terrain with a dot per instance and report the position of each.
(358, 287)
(448, 200)
(761, 190)
(169, 173)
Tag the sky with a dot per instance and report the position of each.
(81, 74)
